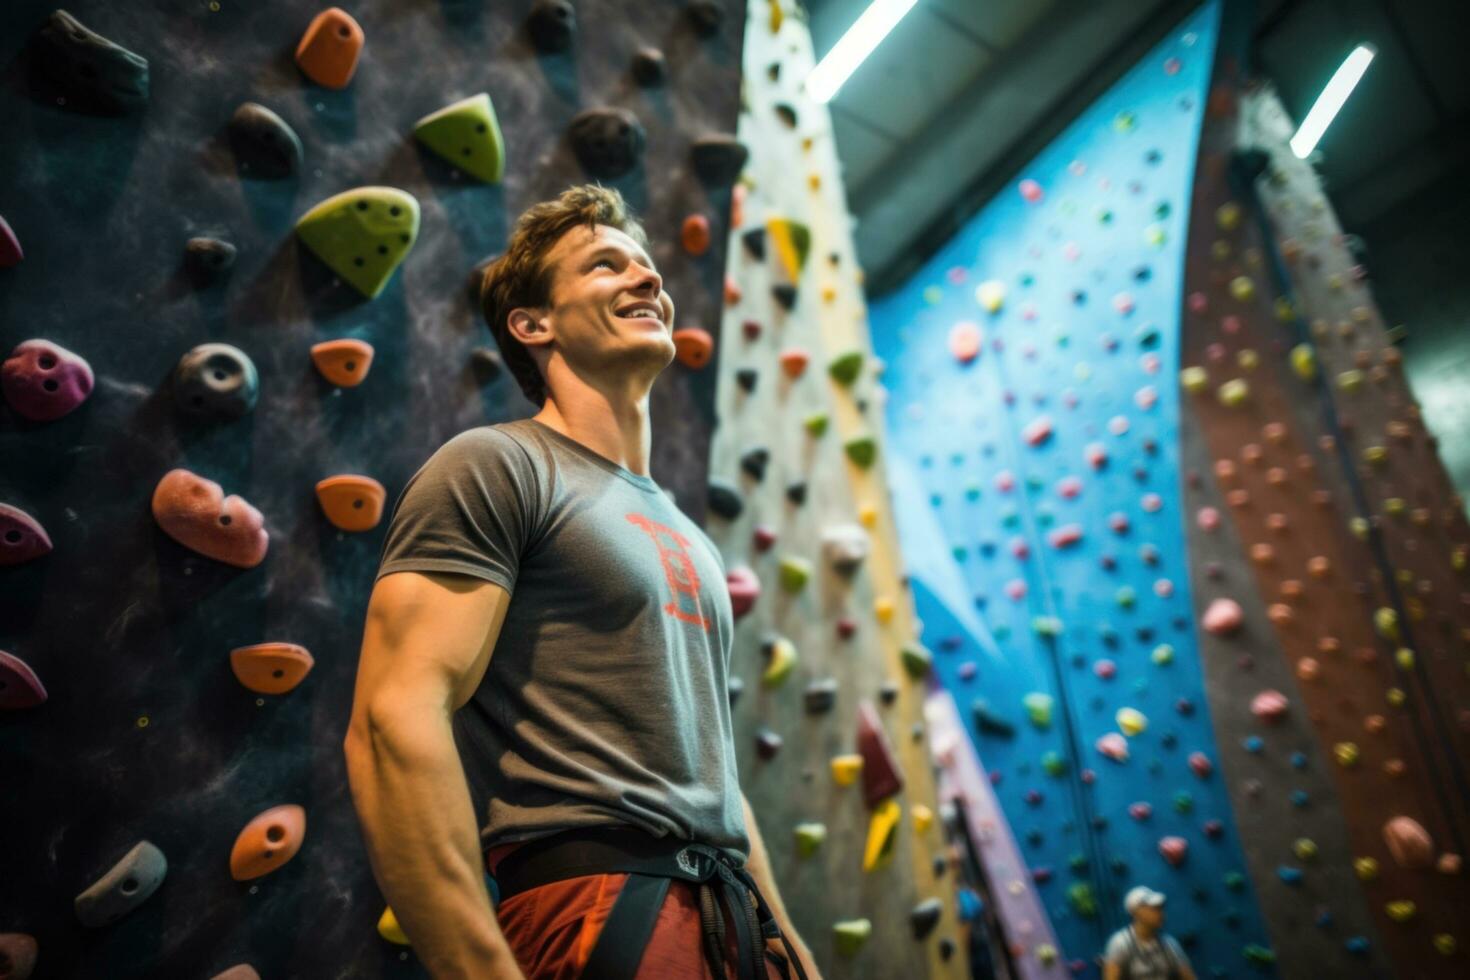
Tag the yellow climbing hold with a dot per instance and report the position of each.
(1304, 848)
(868, 515)
(1404, 657)
(1444, 943)
(881, 827)
(1386, 621)
(883, 608)
(1194, 379)
(851, 934)
(1350, 381)
(1285, 312)
(793, 241)
(1304, 361)
(1242, 288)
(991, 295)
(1227, 215)
(389, 928)
(846, 768)
(1248, 359)
(923, 817)
(1366, 868)
(1233, 392)
(1131, 721)
(1397, 697)
(1375, 455)
(1401, 911)
(1347, 754)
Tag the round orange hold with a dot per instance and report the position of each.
(268, 841)
(271, 668)
(964, 342)
(695, 234)
(351, 502)
(693, 346)
(343, 362)
(794, 362)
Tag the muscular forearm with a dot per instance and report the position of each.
(412, 802)
(759, 866)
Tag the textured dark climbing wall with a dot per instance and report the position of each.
(1322, 510)
(147, 734)
(1032, 365)
(790, 448)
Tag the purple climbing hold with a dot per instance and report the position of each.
(21, 536)
(19, 685)
(44, 381)
(10, 250)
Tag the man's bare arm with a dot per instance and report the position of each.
(426, 646)
(759, 867)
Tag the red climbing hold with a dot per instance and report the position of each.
(881, 774)
(1174, 850)
(10, 250)
(745, 589)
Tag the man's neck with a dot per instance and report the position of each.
(613, 428)
(1144, 932)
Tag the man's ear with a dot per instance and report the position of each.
(530, 326)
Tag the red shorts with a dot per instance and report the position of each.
(551, 929)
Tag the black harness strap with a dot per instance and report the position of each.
(650, 862)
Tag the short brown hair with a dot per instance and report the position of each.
(521, 276)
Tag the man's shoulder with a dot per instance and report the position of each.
(1118, 946)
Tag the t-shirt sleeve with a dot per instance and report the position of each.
(1117, 951)
(471, 508)
(1178, 952)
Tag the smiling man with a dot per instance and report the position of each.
(545, 660)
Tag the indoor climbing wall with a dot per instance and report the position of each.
(1332, 553)
(1038, 482)
(829, 675)
(237, 265)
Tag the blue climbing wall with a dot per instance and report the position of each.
(1037, 483)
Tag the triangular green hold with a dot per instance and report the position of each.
(794, 573)
(862, 450)
(362, 234)
(851, 935)
(809, 837)
(845, 368)
(816, 424)
(916, 660)
(466, 134)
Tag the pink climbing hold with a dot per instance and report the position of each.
(1198, 302)
(1068, 487)
(1065, 536)
(196, 513)
(19, 685)
(1200, 765)
(1105, 669)
(965, 341)
(1123, 303)
(1208, 519)
(745, 589)
(44, 381)
(21, 536)
(1037, 431)
(1146, 397)
(1005, 481)
(10, 250)
(1140, 811)
(1269, 705)
(1151, 503)
(1113, 745)
(968, 669)
(1223, 617)
(1118, 522)
(1409, 843)
(1174, 850)
(1015, 589)
(1096, 455)
(1214, 829)
(1031, 191)
(1020, 548)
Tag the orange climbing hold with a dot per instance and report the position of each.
(693, 346)
(330, 47)
(196, 513)
(268, 841)
(695, 234)
(351, 502)
(343, 362)
(794, 362)
(270, 668)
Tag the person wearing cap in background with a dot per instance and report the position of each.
(1142, 950)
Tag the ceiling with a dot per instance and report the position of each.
(963, 93)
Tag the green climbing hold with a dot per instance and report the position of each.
(862, 450)
(1053, 763)
(362, 234)
(1046, 626)
(1183, 802)
(1163, 654)
(466, 134)
(809, 837)
(794, 573)
(816, 424)
(851, 935)
(916, 660)
(1258, 955)
(845, 367)
(1038, 708)
(1082, 899)
(793, 242)
(781, 654)
(1126, 596)
(1234, 880)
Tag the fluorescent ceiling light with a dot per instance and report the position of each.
(1331, 100)
(866, 33)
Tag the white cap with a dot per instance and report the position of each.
(1142, 895)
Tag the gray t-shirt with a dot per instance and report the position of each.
(605, 700)
(1155, 959)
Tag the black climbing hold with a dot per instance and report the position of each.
(649, 67)
(754, 462)
(608, 142)
(773, 71)
(1248, 163)
(796, 493)
(888, 693)
(755, 243)
(767, 743)
(941, 865)
(707, 16)
(946, 948)
(215, 381)
(925, 916)
(487, 364)
(718, 159)
(746, 378)
(989, 722)
(96, 74)
(862, 404)
(916, 730)
(208, 258)
(725, 499)
(785, 294)
(552, 24)
(834, 258)
(786, 113)
(734, 688)
(264, 144)
(820, 696)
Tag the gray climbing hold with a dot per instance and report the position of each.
(122, 889)
(607, 142)
(925, 916)
(264, 144)
(208, 259)
(707, 16)
(753, 462)
(725, 498)
(767, 743)
(820, 696)
(888, 693)
(552, 24)
(487, 364)
(845, 546)
(796, 493)
(215, 381)
(785, 294)
(746, 378)
(718, 159)
(96, 74)
(649, 67)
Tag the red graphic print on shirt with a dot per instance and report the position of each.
(678, 569)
